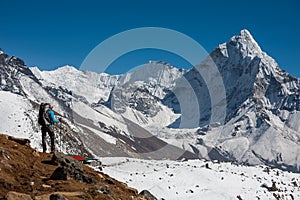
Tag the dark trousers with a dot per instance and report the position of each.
(50, 131)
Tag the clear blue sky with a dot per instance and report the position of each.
(53, 33)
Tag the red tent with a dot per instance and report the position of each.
(79, 158)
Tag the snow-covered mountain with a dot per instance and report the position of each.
(89, 86)
(140, 93)
(260, 122)
(237, 105)
(136, 95)
(89, 128)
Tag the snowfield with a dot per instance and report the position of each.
(18, 119)
(200, 179)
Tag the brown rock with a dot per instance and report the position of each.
(101, 176)
(132, 190)
(80, 195)
(105, 190)
(46, 186)
(42, 197)
(22, 141)
(65, 195)
(35, 153)
(17, 196)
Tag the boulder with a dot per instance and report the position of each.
(62, 196)
(148, 195)
(67, 161)
(57, 197)
(61, 173)
(105, 190)
(69, 168)
(17, 196)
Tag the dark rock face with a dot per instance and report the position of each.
(69, 168)
(11, 70)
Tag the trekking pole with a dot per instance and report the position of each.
(62, 130)
(60, 138)
(58, 126)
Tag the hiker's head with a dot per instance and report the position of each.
(51, 106)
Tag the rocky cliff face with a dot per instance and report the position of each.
(11, 69)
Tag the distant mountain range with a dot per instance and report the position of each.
(236, 105)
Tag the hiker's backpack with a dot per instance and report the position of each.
(44, 118)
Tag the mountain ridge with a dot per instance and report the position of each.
(227, 107)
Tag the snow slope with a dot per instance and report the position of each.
(199, 179)
(17, 118)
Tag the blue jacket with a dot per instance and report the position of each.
(52, 118)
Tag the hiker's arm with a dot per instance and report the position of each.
(57, 114)
(52, 117)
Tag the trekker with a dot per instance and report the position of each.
(47, 120)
